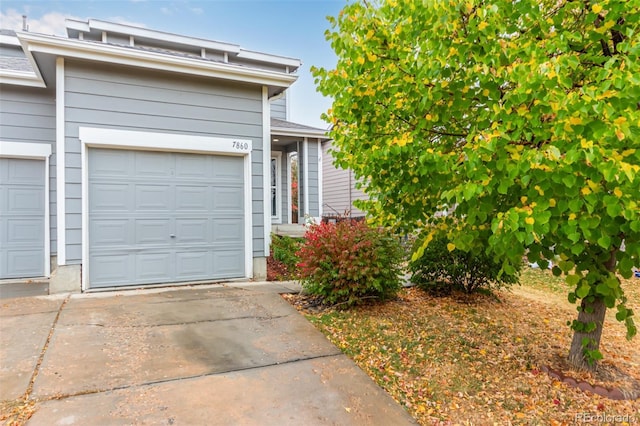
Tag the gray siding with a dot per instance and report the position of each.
(142, 100)
(279, 108)
(338, 187)
(314, 152)
(28, 115)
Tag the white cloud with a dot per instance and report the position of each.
(166, 11)
(197, 10)
(51, 23)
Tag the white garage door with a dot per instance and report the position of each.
(161, 217)
(22, 218)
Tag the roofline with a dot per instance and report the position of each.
(286, 131)
(18, 78)
(9, 39)
(180, 39)
(144, 32)
(72, 48)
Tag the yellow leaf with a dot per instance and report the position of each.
(572, 216)
(530, 220)
(552, 202)
(617, 192)
(619, 134)
(372, 57)
(482, 25)
(596, 8)
(444, 83)
(360, 60)
(523, 199)
(585, 190)
(620, 120)
(575, 120)
(451, 247)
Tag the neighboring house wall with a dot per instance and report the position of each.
(338, 187)
(311, 174)
(143, 100)
(28, 115)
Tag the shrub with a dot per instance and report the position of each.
(282, 264)
(440, 271)
(349, 261)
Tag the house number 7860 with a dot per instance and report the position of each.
(240, 146)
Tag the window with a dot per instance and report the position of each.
(275, 185)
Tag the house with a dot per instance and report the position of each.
(133, 157)
(338, 187)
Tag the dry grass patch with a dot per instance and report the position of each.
(476, 359)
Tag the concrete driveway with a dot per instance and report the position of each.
(234, 354)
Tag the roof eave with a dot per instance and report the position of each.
(21, 79)
(124, 56)
(285, 131)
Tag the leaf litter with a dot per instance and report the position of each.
(477, 359)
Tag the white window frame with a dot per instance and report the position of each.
(35, 151)
(276, 155)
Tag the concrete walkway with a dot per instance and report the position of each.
(234, 354)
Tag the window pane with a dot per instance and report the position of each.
(273, 172)
(274, 211)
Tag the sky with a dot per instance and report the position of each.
(292, 28)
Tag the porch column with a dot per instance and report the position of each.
(305, 183)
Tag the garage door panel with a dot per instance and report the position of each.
(228, 230)
(22, 217)
(152, 231)
(153, 267)
(23, 172)
(110, 164)
(110, 232)
(230, 168)
(230, 199)
(193, 265)
(163, 194)
(21, 262)
(113, 269)
(152, 197)
(27, 199)
(193, 166)
(109, 197)
(152, 164)
(21, 232)
(191, 197)
(192, 231)
(229, 262)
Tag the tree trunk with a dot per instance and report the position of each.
(576, 353)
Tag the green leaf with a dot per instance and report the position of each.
(583, 291)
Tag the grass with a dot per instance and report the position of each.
(476, 360)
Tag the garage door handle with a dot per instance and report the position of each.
(172, 235)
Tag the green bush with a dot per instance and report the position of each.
(349, 261)
(282, 264)
(440, 271)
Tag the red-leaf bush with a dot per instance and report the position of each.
(349, 261)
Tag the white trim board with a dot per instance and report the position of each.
(167, 142)
(266, 162)
(35, 151)
(61, 211)
(127, 139)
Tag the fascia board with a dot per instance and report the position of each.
(285, 131)
(125, 56)
(21, 79)
(265, 57)
(9, 40)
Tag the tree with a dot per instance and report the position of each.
(522, 117)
